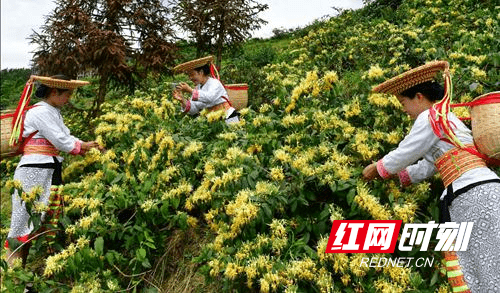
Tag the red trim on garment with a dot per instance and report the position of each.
(404, 178)
(39, 146)
(38, 141)
(188, 106)
(195, 95)
(382, 171)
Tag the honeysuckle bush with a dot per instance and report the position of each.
(264, 191)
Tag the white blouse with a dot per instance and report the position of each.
(210, 94)
(421, 143)
(49, 123)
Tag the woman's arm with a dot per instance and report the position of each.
(416, 173)
(53, 129)
(203, 97)
(413, 147)
(210, 92)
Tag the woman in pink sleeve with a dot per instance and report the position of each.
(208, 93)
(472, 190)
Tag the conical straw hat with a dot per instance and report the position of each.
(190, 65)
(411, 78)
(59, 83)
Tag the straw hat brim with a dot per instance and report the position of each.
(411, 78)
(59, 83)
(190, 65)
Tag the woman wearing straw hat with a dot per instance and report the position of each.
(472, 190)
(209, 93)
(40, 165)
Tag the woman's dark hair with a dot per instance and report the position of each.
(432, 90)
(43, 91)
(205, 68)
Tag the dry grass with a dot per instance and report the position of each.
(175, 271)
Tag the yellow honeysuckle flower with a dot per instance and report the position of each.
(232, 270)
(193, 147)
(478, 73)
(355, 265)
(277, 174)
(367, 201)
(16, 183)
(375, 72)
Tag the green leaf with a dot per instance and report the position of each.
(99, 246)
(150, 245)
(434, 278)
(110, 258)
(324, 214)
(141, 253)
(145, 263)
(293, 206)
(175, 202)
(305, 238)
(350, 196)
(117, 178)
(267, 210)
(391, 197)
(333, 186)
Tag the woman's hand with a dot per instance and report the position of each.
(184, 87)
(370, 172)
(88, 145)
(178, 96)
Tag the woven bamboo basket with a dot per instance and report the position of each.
(6, 127)
(486, 127)
(238, 95)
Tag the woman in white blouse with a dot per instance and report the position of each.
(209, 93)
(472, 193)
(40, 164)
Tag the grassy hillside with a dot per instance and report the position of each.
(249, 207)
(12, 82)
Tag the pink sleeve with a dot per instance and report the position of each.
(196, 95)
(382, 171)
(404, 178)
(188, 106)
(77, 149)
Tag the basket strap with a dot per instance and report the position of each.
(214, 72)
(474, 151)
(228, 101)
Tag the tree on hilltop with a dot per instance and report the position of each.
(215, 23)
(116, 39)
